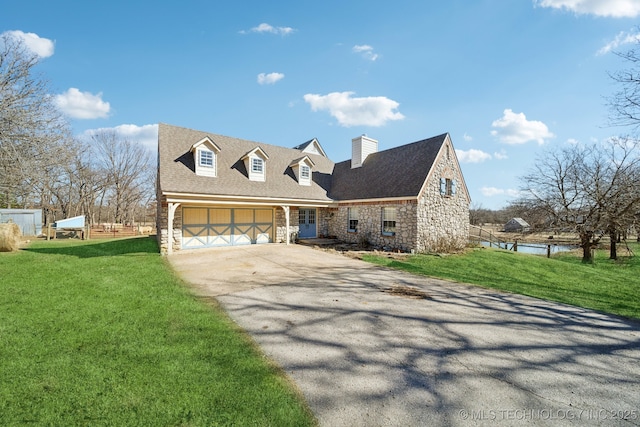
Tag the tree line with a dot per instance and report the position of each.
(43, 165)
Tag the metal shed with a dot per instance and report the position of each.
(29, 220)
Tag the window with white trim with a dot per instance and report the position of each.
(352, 220)
(388, 221)
(305, 172)
(206, 158)
(257, 165)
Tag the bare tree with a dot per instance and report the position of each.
(618, 189)
(591, 190)
(32, 130)
(624, 104)
(127, 170)
(74, 186)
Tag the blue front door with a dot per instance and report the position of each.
(307, 220)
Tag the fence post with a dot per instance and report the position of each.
(515, 245)
(548, 251)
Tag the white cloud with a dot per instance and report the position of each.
(514, 128)
(472, 156)
(38, 45)
(146, 135)
(269, 79)
(493, 191)
(573, 141)
(621, 39)
(82, 105)
(608, 8)
(266, 28)
(369, 111)
(467, 137)
(501, 155)
(366, 51)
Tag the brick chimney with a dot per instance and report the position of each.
(361, 147)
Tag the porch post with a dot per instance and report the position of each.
(171, 214)
(286, 220)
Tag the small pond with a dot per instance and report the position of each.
(535, 248)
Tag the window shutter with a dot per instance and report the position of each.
(443, 186)
(454, 185)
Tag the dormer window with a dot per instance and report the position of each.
(206, 158)
(257, 166)
(255, 162)
(305, 172)
(205, 153)
(302, 170)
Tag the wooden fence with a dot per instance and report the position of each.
(479, 234)
(113, 231)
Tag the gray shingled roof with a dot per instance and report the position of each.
(177, 168)
(396, 172)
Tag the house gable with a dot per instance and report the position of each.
(311, 147)
(447, 173)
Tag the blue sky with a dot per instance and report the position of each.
(506, 78)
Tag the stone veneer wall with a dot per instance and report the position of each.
(323, 216)
(281, 225)
(443, 221)
(370, 225)
(162, 231)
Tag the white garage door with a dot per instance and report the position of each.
(207, 227)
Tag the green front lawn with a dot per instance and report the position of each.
(609, 286)
(103, 333)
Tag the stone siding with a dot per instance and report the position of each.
(162, 231)
(281, 225)
(369, 230)
(323, 216)
(443, 221)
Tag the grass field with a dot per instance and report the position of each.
(103, 333)
(608, 286)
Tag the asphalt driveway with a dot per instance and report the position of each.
(461, 356)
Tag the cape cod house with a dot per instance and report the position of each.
(216, 190)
